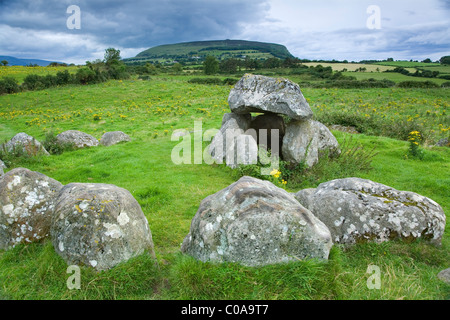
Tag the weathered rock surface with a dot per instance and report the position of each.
(99, 225)
(256, 93)
(2, 167)
(444, 275)
(356, 210)
(233, 125)
(255, 223)
(28, 144)
(77, 138)
(114, 137)
(307, 141)
(27, 200)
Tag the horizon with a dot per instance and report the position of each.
(80, 31)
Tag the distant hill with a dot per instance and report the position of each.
(222, 49)
(12, 61)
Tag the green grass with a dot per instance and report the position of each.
(392, 76)
(170, 195)
(20, 72)
(406, 64)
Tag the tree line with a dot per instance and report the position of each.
(111, 67)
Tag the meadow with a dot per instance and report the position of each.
(149, 111)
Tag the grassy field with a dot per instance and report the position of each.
(20, 72)
(149, 111)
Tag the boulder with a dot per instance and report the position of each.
(232, 126)
(29, 145)
(27, 200)
(99, 225)
(357, 210)
(77, 138)
(114, 137)
(244, 151)
(307, 141)
(255, 223)
(256, 93)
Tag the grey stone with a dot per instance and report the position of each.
(244, 151)
(27, 200)
(444, 142)
(357, 210)
(255, 223)
(99, 225)
(28, 144)
(232, 126)
(307, 141)
(114, 137)
(444, 275)
(2, 167)
(77, 138)
(256, 93)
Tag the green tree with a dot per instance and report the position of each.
(229, 65)
(211, 65)
(177, 68)
(445, 60)
(4, 62)
(112, 56)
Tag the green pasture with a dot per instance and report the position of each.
(169, 194)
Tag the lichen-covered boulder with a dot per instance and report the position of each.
(256, 93)
(27, 200)
(358, 210)
(306, 141)
(27, 143)
(114, 137)
(255, 223)
(99, 225)
(76, 138)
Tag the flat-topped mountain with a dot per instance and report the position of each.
(222, 49)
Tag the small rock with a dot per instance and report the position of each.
(99, 225)
(77, 138)
(255, 223)
(444, 275)
(114, 137)
(29, 145)
(443, 143)
(27, 200)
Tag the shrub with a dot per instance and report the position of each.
(417, 84)
(63, 78)
(214, 81)
(52, 145)
(8, 85)
(33, 82)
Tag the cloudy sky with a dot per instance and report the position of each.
(312, 29)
